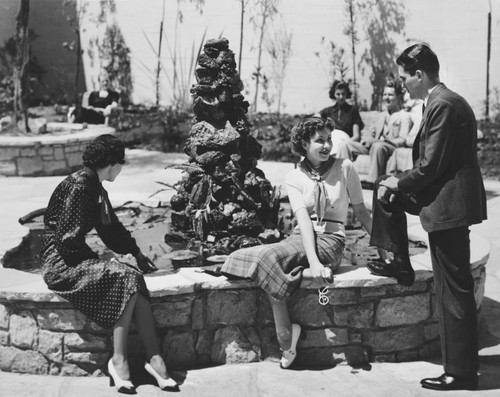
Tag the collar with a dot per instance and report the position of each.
(428, 94)
(92, 176)
(345, 105)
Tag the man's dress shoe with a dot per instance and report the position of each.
(449, 382)
(404, 274)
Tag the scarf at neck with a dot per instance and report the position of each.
(105, 208)
(320, 193)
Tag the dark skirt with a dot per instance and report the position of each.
(99, 289)
(277, 268)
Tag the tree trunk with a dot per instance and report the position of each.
(20, 64)
(259, 60)
(353, 49)
(241, 34)
(78, 60)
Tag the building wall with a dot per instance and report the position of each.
(48, 20)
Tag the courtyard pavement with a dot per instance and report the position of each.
(138, 181)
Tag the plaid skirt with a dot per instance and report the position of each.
(277, 268)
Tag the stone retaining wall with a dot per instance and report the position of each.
(228, 323)
(202, 320)
(45, 155)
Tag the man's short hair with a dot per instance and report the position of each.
(419, 57)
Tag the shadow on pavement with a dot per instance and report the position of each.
(491, 194)
(489, 338)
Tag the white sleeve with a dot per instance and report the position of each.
(294, 190)
(354, 189)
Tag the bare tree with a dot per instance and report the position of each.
(21, 61)
(265, 10)
(158, 67)
(243, 4)
(351, 31)
(280, 49)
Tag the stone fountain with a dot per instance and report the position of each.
(224, 202)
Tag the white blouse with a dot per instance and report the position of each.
(342, 185)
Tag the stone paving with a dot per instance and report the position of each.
(22, 195)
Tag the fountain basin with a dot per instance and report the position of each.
(205, 320)
(57, 153)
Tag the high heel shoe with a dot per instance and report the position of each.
(288, 356)
(164, 384)
(123, 386)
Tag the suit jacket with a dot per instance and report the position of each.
(446, 180)
(398, 126)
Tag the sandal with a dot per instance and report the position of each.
(288, 356)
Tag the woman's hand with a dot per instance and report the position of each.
(145, 264)
(315, 270)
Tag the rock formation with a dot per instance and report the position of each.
(223, 201)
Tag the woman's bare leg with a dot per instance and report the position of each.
(120, 336)
(144, 322)
(281, 322)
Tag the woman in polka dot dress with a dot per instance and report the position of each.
(108, 292)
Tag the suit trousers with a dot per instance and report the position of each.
(389, 225)
(455, 301)
(453, 282)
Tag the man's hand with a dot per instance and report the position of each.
(145, 264)
(385, 195)
(391, 183)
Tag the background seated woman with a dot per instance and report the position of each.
(100, 105)
(346, 137)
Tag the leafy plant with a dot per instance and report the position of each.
(384, 20)
(181, 79)
(115, 61)
(334, 57)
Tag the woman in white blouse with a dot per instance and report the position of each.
(319, 190)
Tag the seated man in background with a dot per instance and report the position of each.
(100, 105)
(401, 159)
(391, 130)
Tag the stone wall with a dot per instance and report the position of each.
(228, 323)
(203, 320)
(43, 155)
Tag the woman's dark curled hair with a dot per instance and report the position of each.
(305, 130)
(103, 151)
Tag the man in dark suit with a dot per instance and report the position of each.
(446, 190)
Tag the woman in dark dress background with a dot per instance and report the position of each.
(100, 105)
(346, 137)
(110, 293)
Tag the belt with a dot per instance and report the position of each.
(315, 218)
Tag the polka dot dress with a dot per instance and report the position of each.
(98, 288)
